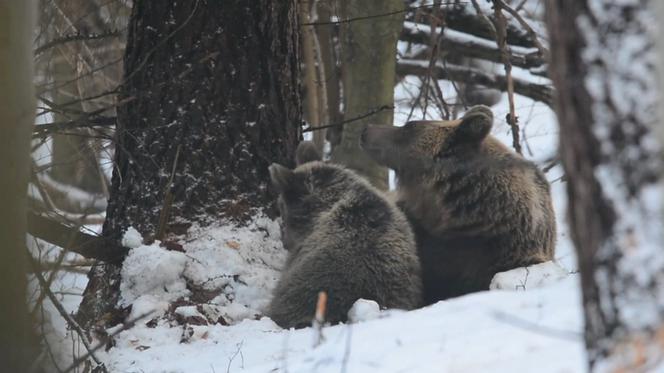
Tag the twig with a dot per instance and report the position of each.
(531, 33)
(127, 325)
(76, 37)
(61, 310)
(501, 40)
(49, 281)
(230, 359)
(319, 318)
(354, 119)
(49, 349)
(520, 5)
(540, 329)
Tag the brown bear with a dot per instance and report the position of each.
(343, 237)
(476, 207)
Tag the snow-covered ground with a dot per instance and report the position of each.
(495, 331)
(200, 305)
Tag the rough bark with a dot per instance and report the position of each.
(368, 50)
(214, 101)
(17, 114)
(603, 69)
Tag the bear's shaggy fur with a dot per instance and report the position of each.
(343, 238)
(477, 208)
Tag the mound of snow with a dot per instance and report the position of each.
(155, 271)
(131, 238)
(526, 278)
(363, 310)
(225, 273)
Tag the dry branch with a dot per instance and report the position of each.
(470, 75)
(452, 42)
(501, 40)
(68, 318)
(461, 18)
(70, 238)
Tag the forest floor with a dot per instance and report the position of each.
(198, 306)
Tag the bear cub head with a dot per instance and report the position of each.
(307, 191)
(419, 144)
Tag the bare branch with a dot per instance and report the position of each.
(457, 43)
(70, 238)
(470, 75)
(499, 4)
(61, 310)
(76, 37)
(501, 40)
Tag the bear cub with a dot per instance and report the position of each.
(344, 238)
(476, 207)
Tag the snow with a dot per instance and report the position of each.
(497, 331)
(153, 271)
(131, 238)
(525, 278)
(464, 38)
(363, 310)
(233, 268)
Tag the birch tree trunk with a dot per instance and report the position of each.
(212, 99)
(603, 66)
(17, 116)
(368, 55)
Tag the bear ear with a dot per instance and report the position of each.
(306, 152)
(475, 124)
(281, 176)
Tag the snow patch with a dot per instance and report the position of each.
(363, 310)
(152, 270)
(527, 278)
(131, 238)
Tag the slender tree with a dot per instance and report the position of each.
(17, 115)
(212, 99)
(603, 66)
(368, 49)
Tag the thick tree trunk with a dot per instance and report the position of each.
(17, 115)
(213, 100)
(368, 50)
(603, 63)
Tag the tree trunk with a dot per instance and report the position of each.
(603, 63)
(315, 99)
(17, 116)
(213, 99)
(368, 50)
(328, 54)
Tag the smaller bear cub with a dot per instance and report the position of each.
(343, 238)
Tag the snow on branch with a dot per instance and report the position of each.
(459, 43)
(538, 92)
